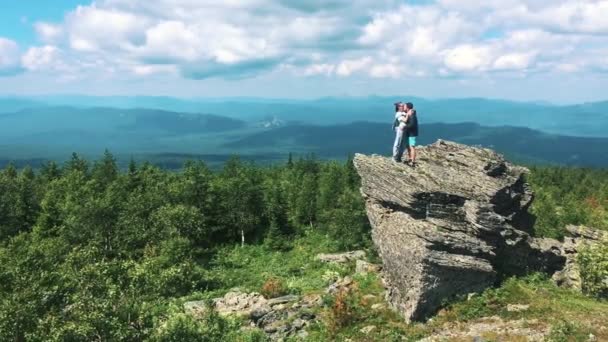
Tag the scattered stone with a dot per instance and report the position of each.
(363, 267)
(341, 258)
(196, 308)
(311, 300)
(341, 284)
(298, 323)
(378, 307)
(271, 316)
(303, 334)
(369, 297)
(308, 316)
(368, 329)
(259, 312)
(517, 307)
(452, 225)
(578, 238)
(240, 304)
(471, 296)
(283, 300)
(497, 328)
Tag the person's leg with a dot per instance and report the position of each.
(412, 150)
(398, 145)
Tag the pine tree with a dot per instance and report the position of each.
(306, 203)
(50, 171)
(276, 213)
(105, 171)
(76, 163)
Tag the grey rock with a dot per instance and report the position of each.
(369, 297)
(283, 300)
(363, 266)
(340, 284)
(307, 316)
(298, 323)
(303, 334)
(311, 300)
(196, 308)
(378, 306)
(450, 226)
(272, 318)
(368, 329)
(341, 257)
(578, 238)
(517, 307)
(240, 303)
(519, 330)
(259, 312)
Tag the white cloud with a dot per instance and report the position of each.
(319, 69)
(9, 57)
(513, 61)
(378, 38)
(468, 58)
(350, 66)
(48, 33)
(385, 71)
(42, 58)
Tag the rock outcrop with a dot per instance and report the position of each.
(279, 318)
(454, 225)
(578, 238)
(341, 258)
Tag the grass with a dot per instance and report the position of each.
(250, 267)
(566, 315)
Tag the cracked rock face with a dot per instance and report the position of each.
(454, 225)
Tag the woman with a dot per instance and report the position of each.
(399, 127)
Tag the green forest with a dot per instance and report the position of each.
(89, 252)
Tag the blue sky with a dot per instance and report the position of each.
(552, 50)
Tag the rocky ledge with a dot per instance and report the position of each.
(456, 224)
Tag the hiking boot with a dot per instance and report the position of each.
(413, 164)
(396, 161)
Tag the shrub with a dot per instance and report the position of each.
(593, 262)
(273, 287)
(345, 310)
(567, 332)
(182, 327)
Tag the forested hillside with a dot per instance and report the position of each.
(91, 253)
(88, 252)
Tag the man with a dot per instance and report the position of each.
(411, 133)
(399, 127)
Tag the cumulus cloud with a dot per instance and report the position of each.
(232, 39)
(9, 57)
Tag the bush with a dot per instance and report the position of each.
(567, 332)
(593, 262)
(182, 327)
(273, 287)
(345, 309)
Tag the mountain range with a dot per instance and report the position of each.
(168, 131)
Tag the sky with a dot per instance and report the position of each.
(529, 50)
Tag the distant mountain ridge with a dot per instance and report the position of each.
(336, 130)
(588, 119)
(519, 143)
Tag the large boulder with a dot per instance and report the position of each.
(577, 238)
(453, 225)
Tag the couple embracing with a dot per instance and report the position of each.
(406, 131)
